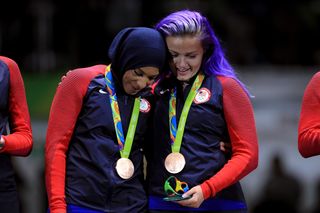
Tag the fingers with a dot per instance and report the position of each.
(222, 147)
(225, 147)
(64, 76)
(192, 202)
(196, 199)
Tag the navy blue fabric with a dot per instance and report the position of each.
(7, 181)
(135, 48)
(205, 128)
(91, 178)
(157, 203)
(4, 92)
(79, 209)
(9, 202)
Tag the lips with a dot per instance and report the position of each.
(135, 87)
(183, 70)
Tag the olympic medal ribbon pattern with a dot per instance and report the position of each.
(172, 116)
(124, 166)
(175, 161)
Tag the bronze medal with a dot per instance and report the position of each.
(125, 168)
(174, 162)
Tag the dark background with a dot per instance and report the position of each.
(274, 46)
(46, 35)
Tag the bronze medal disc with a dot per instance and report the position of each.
(174, 162)
(125, 168)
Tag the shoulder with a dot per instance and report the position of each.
(11, 64)
(78, 80)
(317, 75)
(87, 72)
(83, 74)
(229, 83)
(315, 78)
(312, 88)
(232, 89)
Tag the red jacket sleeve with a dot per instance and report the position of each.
(241, 126)
(19, 141)
(64, 112)
(309, 124)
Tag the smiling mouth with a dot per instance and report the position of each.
(186, 70)
(135, 88)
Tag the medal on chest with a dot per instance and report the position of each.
(124, 166)
(175, 161)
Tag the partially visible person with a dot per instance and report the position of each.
(97, 125)
(15, 131)
(309, 123)
(201, 104)
(282, 190)
(316, 206)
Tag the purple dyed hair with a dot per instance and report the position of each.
(186, 22)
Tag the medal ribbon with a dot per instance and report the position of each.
(124, 144)
(177, 134)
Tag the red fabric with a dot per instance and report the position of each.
(309, 125)
(64, 112)
(241, 126)
(19, 141)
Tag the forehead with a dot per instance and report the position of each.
(187, 43)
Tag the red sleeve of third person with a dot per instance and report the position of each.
(309, 125)
(239, 117)
(19, 141)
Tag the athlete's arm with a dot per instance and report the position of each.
(241, 126)
(309, 124)
(19, 141)
(64, 112)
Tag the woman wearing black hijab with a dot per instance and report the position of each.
(97, 126)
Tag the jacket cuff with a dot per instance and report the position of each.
(207, 190)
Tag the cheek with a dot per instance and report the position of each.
(125, 83)
(141, 83)
(196, 64)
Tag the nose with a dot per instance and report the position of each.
(145, 83)
(180, 62)
(149, 82)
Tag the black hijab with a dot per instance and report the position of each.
(134, 48)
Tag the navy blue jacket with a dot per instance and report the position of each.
(205, 128)
(91, 180)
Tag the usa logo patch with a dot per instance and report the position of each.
(203, 95)
(144, 105)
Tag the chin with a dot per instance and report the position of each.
(183, 78)
(133, 92)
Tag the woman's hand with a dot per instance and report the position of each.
(64, 76)
(196, 197)
(225, 147)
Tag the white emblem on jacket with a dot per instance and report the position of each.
(144, 105)
(203, 95)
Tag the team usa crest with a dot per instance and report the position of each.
(144, 105)
(203, 95)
